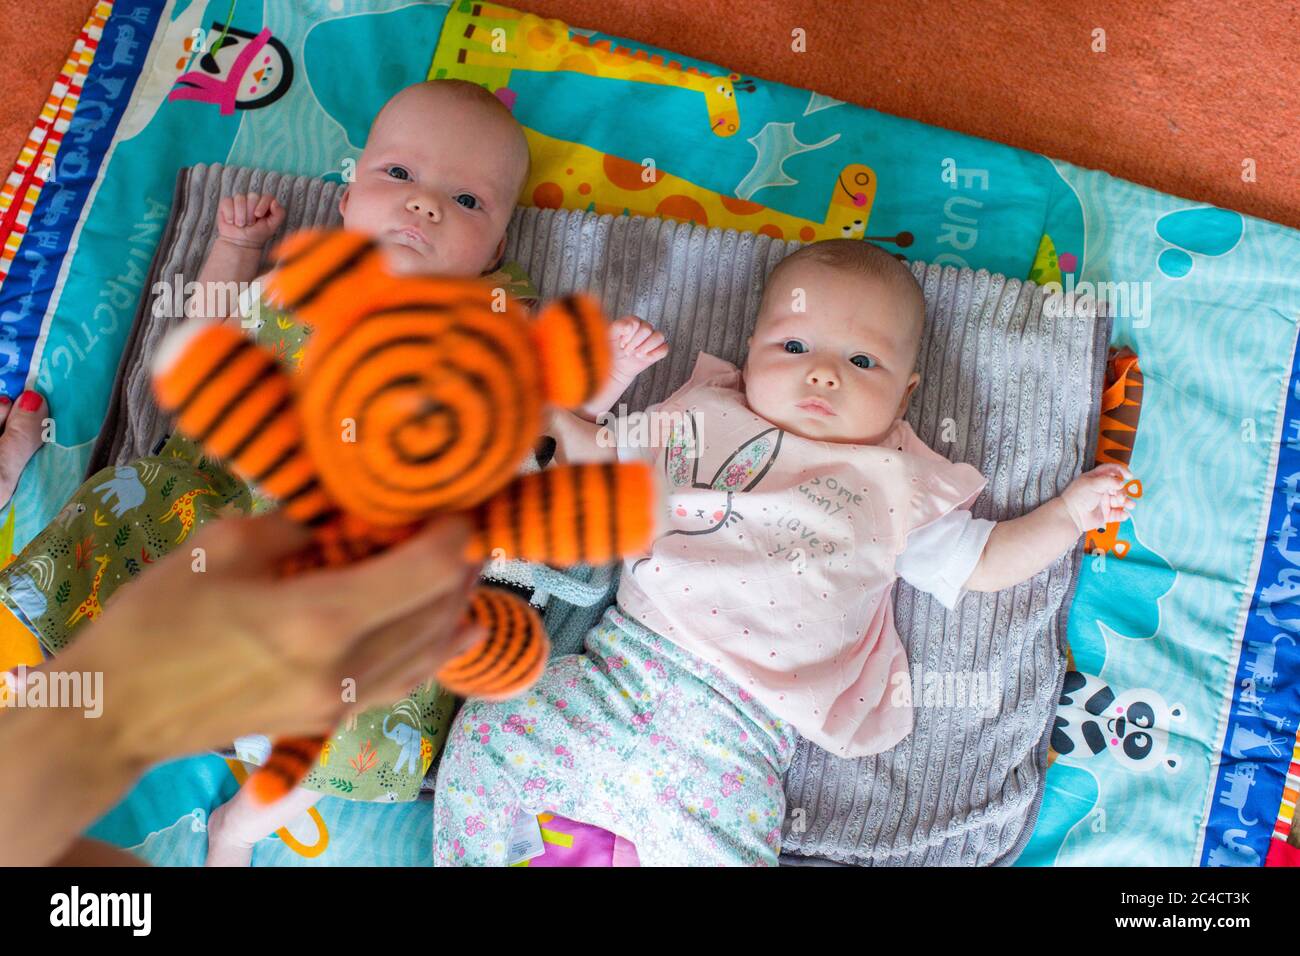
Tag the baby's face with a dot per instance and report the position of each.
(841, 369)
(437, 183)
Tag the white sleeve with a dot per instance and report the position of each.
(628, 452)
(638, 437)
(940, 557)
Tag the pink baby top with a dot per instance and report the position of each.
(777, 559)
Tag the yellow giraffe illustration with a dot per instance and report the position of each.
(90, 608)
(546, 45)
(624, 186)
(183, 508)
(572, 175)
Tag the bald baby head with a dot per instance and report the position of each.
(443, 167)
(423, 109)
(833, 354)
(854, 258)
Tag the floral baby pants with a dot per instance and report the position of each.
(636, 736)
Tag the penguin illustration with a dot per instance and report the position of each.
(239, 70)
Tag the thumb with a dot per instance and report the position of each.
(469, 636)
(258, 542)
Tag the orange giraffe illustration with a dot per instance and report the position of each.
(183, 508)
(546, 45)
(90, 608)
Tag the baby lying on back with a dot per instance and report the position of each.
(719, 644)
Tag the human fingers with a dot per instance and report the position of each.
(411, 650)
(250, 544)
(650, 343)
(275, 212)
(241, 209)
(1114, 513)
(263, 204)
(389, 585)
(1102, 480)
(226, 209)
(436, 619)
(620, 329)
(1114, 470)
(639, 334)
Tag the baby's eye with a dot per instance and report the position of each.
(863, 361)
(795, 346)
(399, 172)
(467, 200)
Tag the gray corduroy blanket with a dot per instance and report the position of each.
(1004, 387)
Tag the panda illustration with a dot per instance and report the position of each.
(1133, 726)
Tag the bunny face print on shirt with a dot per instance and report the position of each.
(777, 559)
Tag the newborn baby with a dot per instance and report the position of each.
(437, 182)
(436, 185)
(797, 495)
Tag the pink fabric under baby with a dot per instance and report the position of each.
(570, 843)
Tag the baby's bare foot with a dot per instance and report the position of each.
(226, 846)
(23, 422)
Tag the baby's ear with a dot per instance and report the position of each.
(572, 342)
(912, 382)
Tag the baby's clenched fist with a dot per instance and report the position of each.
(1101, 496)
(249, 219)
(637, 345)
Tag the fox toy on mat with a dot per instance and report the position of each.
(415, 397)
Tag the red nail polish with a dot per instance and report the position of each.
(5, 400)
(29, 401)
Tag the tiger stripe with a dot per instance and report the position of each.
(511, 658)
(415, 396)
(567, 515)
(290, 760)
(580, 361)
(1121, 407)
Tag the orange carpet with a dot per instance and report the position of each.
(1185, 93)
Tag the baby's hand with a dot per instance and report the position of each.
(637, 346)
(249, 220)
(1099, 497)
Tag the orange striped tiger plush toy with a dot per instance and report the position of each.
(1121, 407)
(415, 397)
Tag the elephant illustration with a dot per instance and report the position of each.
(27, 594)
(1240, 779)
(408, 739)
(125, 485)
(1234, 851)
